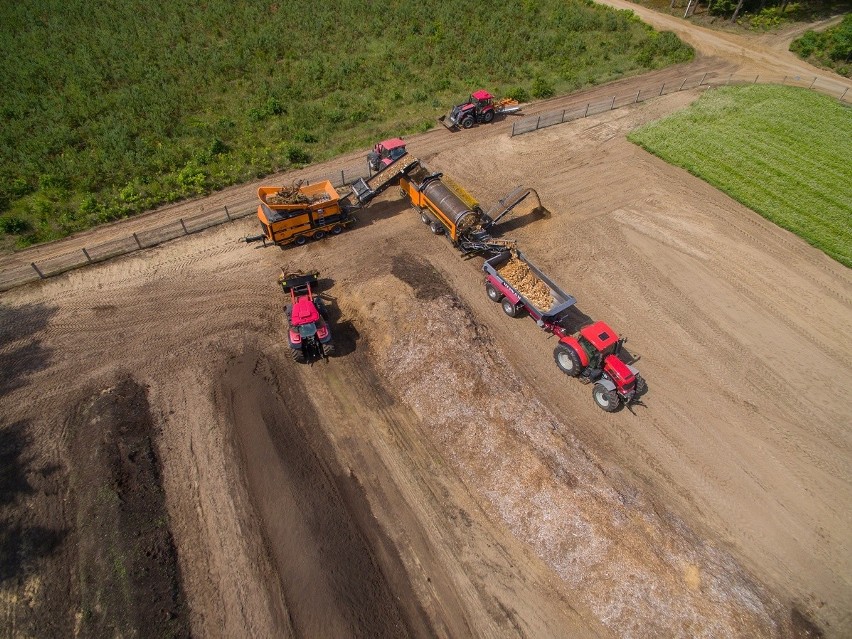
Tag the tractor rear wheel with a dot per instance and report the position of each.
(567, 360)
(298, 355)
(488, 116)
(328, 349)
(509, 308)
(467, 122)
(607, 400)
(493, 294)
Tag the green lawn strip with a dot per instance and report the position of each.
(781, 151)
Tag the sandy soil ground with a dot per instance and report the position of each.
(439, 475)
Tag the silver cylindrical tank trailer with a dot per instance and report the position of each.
(450, 205)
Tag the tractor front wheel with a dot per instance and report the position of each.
(567, 360)
(493, 294)
(641, 385)
(606, 399)
(467, 122)
(509, 308)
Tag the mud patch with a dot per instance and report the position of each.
(129, 578)
(316, 521)
(419, 275)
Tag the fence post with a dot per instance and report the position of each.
(813, 83)
(513, 129)
(227, 214)
(537, 122)
(662, 88)
(784, 81)
(342, 179)
(40, 274)
(637, 96)
(729, 78)
(755, 78)
(86, 253)
(612, 106)
(681, 85)
(844, 93)
(586, 114)
(702, 79)
(185, 232)
(564, 111)
(138, 243)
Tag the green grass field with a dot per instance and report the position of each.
(113, 108)
(782, 151)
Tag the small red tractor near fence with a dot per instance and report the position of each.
(592, 355)
(308, 332)
(385, 153)
(481, 107)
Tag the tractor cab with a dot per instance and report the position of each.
(386, 153)
(482, 100)
(599, 341)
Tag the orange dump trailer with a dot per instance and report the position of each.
(297, 215)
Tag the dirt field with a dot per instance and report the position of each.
(439, 475)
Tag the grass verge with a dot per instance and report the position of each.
(781, 151)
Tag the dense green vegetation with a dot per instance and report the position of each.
(113, 108)
(752, 15)
(831, 48)
(781, 151)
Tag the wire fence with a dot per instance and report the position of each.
(584, 110)
(18, 275)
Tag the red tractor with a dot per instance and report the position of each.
(307, 318)
(480, 108)
(593, 356)
(385, 153)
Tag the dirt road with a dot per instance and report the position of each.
(439, 476)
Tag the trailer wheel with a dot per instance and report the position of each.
(300, 240)
(509, 308)
(319, 235)
(488, 116)
(493, 294)
(298, 355)
(424, 218)
(437, 229)
(606, 399)
(567, 360)
(336, 229)
(467, 122)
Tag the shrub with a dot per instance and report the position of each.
(518, 93)
(297, 155)
(15, 225)
(542, 88)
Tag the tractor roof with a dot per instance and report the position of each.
(304, 312)
(600, 335)
(392, 143)
(482, 94)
